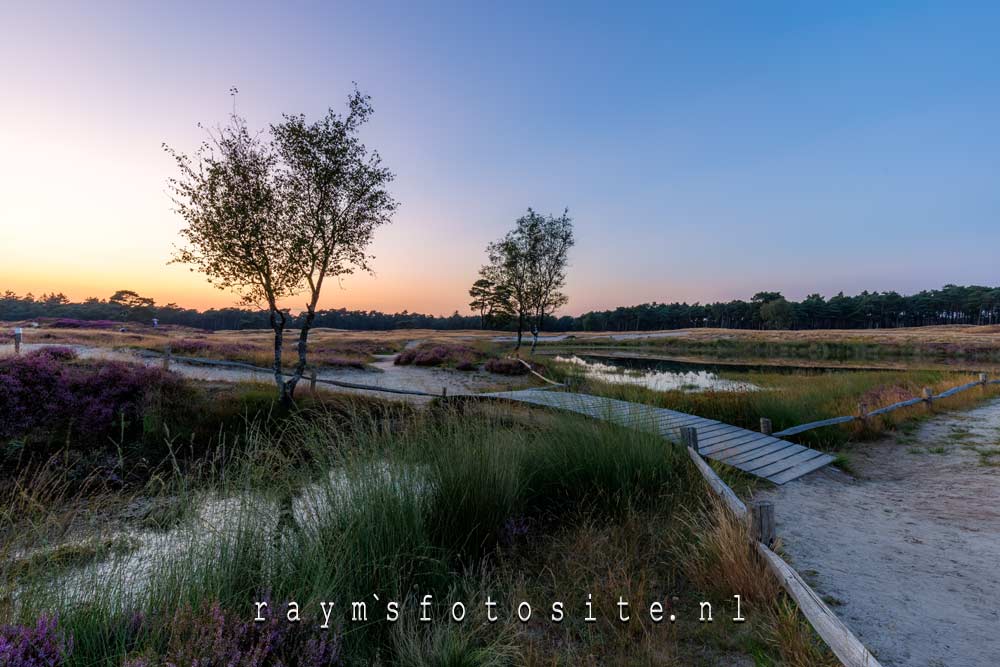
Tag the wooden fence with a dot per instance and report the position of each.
(848, 648)
(927, 398)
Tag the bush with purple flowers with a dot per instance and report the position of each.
(506, 367)
(209, 636)
(40, 645)
(70, 323)
(462, 357)
(46, 395)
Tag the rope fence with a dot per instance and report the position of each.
(168, 357)
(312, 377)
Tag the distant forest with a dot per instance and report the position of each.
(951, 304)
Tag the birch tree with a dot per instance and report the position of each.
(273, 218)
(337, 196)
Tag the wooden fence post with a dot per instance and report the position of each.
(18, 332)
(762, 526)
(444, 392)
(166, 359)
(928, 397)
(312, 381)
(689, 437)
(765, 426)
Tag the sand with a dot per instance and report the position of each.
(907, 553)
(382, 373)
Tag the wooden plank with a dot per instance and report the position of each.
(769, 448)
(725, 449)
(725, 455)
(719, 436)
(788, 462)
(837, 636)
(801, 469)
(811, 425)
(895, 406)
(664, 417)
(685, 420)
(766, 456)
(955, 390)
(728, 453)
(708, 430)
(715, 444)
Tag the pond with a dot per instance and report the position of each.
(659, 375)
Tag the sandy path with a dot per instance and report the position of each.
(908, 553)
(388, 375)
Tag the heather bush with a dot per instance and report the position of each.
(210, 636)
(46, 397)
(506, 367)
(70, 323)
(40, 645)
(462, 357)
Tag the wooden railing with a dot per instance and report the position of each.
(848, 648)
(927, 398)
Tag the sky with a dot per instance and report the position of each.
(705, 151)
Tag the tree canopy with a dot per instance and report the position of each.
(272, 215)
(526, 271)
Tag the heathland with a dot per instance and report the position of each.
(146, 511)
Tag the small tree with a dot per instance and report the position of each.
(131, 303)
(528, 268)
(236, 223)
(482, 293)
(549, 275)
(271, 219)
(336, 194)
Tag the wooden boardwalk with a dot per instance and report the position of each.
(765, 456)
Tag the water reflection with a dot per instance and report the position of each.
(657, 376)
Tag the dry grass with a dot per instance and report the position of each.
(958, 333)
(719, 558)
(796, 643)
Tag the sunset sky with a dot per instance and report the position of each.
(705, 151)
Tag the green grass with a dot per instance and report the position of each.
(452, 504)
(791, 399)
(409, 509)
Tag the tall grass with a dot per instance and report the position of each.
(791, 399)
(388, 512)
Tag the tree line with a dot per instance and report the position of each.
(126, 307)
(766, 310)
(952, 304)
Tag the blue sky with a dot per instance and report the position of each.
(705, 151)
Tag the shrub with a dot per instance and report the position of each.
(38, 645)
(71, 323)
(462, 357)
(506, 367)
(209, 636)
(43, 395)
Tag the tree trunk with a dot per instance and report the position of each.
(520, 329)
(536, 330)
(300, 366)
(278, 324)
